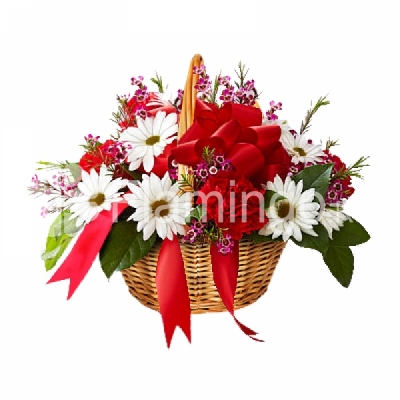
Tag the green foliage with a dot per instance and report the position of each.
(61, 232)
(123, 247)
(257, 238)
(158, 81)
(199, 212)
(352, 233)
(340, 262)
(316, 176)
(75, 170)
(319, 243)
(336, 253)
(306, 124)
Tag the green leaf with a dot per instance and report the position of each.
(257, 238)
(319, 243)
(61, 232)
(316, 176)
(340, 262)
(351, 233)
(123, 247)
(75, 170)
(198, 213)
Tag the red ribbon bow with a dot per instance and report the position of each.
(235, 131)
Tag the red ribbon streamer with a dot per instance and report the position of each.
(80, 259)
(172, 290)
(225, 272)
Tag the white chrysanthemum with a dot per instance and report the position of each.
(149, 139)
(332, 219)
(292, 213)
(158, 206)
(98, 192)
(300, 150)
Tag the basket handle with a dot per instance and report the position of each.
(189, 97)
(188, 106)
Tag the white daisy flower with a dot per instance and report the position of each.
(294, 211)
(98, 192)
(332, 219)
(300, 149)
(158, 206)
(149, 139)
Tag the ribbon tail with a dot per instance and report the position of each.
(225, 272)
(172, 289)
(80, 259)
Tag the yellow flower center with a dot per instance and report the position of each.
(160, 208)
(285, 210)
(300, 151)
(97, 199)
(152, 140)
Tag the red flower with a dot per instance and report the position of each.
(340, 188)
(131, 107)
(95, 158)
(233, 203)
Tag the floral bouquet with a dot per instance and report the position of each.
(194, 197)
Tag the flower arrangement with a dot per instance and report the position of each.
(203, 168)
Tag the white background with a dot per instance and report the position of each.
(62, 64)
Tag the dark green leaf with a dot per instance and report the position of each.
(123, 247)
(319, 243)
(340, 262)
(351, 233)
(316, 176)
(126, 213)
(257, 238)
(61, 232)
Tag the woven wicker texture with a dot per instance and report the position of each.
(257, 262)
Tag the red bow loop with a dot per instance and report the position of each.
(235, 131)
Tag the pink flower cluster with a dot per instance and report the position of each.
(203, 85)
(243, 95)
(271, 116)
(140, 95)
(225, 244)
(195, 230)
(211, 167)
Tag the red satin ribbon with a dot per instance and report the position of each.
(80, 259)
(225, 272)
(235, 131)
(172, 290)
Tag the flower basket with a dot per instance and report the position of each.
(257, 262)
(194, 199)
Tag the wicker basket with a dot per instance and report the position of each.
(257, 262)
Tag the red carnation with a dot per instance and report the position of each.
(233, 203)
(95, 158)
(339, 188)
